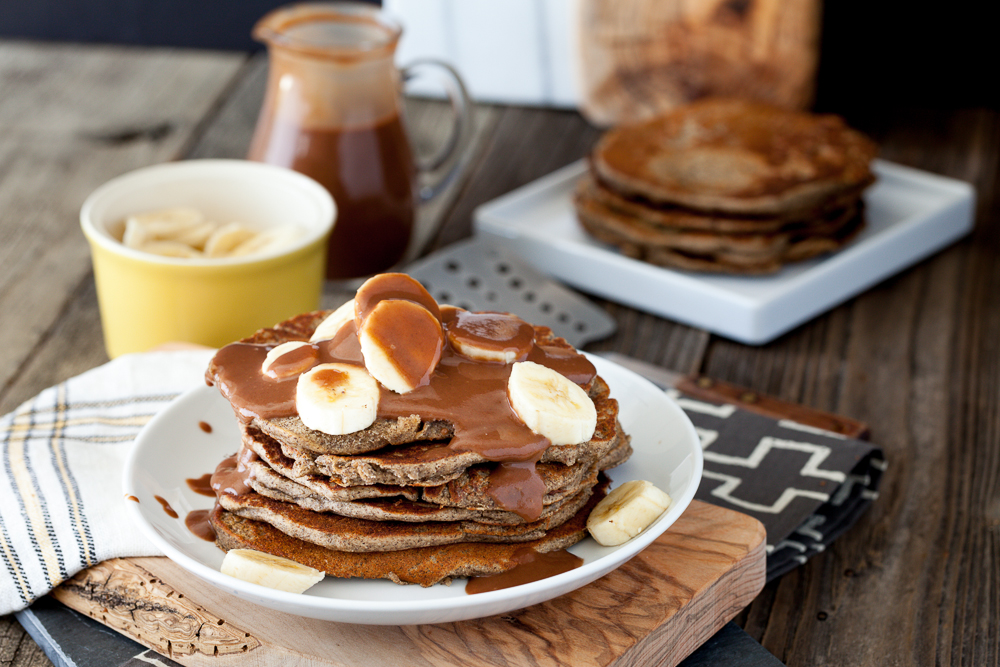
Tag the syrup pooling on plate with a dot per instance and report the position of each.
(468, 393)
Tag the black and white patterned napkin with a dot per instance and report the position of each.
(806, 485)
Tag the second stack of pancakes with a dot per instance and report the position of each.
(728, 186)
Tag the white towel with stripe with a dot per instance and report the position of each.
(62, 507)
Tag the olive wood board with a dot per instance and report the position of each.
(656, 609)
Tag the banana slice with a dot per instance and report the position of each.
(288, 359)
(197, 235)
(166, 223)
(497, 337)
(401, 342)
(268, 570)
(227, 238)
(266, 241)
(337, 398)
(626, 512)
(136, 234)
(550, 404)
(329, 327)
(169, 249)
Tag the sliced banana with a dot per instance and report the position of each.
(401, 342)
(169, 249)
(495, 337)
(550, 404)
(136, 234)
(266, 241)
(288, 359)
(626, 512)
(196, 236)
(227, 238)
(167, 223)
(329, 327)
(337, 398)
(268, 570)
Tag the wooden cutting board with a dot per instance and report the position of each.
(656, 609)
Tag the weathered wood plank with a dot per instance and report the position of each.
(916, 358)
(71, 119)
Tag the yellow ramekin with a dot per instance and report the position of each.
(146, 300)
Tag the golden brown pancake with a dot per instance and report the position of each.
(735, 156)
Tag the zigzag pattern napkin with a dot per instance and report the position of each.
(806, 485)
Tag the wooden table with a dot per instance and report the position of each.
(915, 582)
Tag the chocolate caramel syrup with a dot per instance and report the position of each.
(370, 172)
(197, 522)
(471, 395)
(201, 485)
(531, 566)
(171, 512)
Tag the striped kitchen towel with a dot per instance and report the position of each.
(61, 506)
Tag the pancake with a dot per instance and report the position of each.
(591, 192)
(735, 156)
(433, 464)
(291, 432)
(613, 226)
(470, 490)
(424, 566)
(341, 533)
(447, 465)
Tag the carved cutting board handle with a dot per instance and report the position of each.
(128, 598)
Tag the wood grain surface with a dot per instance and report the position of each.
(655, 609)
(917, 357)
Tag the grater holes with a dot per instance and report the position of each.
(515, 283)
(545, 307)
(563, 318)
(472, 282)
(580, 327)
(465, 305)
(443, 297)
(490, 296)
(528, 296)
(452, 266)
(503, 268)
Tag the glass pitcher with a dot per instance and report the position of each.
(332, 110)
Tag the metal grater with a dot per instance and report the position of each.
(475, 275)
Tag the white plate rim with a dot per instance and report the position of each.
(446, 609)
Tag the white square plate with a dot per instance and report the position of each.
(911, 214)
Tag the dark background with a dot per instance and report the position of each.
(873, 53)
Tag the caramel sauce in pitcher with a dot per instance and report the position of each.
(370, 172)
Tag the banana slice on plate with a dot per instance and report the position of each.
(496, 337)
(626, 511)
(337, 398)
(288, 359)
(401, 342)
(329, 327)
(265, 569)
(550, 404)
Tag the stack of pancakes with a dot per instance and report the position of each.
(728, 186)
(394, 501)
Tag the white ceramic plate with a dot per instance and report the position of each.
(911, 214)
(173, 448)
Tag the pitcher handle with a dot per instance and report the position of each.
(454, 148)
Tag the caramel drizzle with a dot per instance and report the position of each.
(471, 395)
